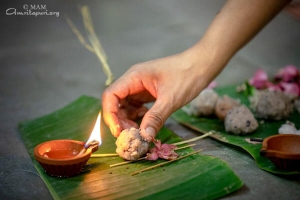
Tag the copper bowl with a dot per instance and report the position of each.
(60, 157)
(283, 150)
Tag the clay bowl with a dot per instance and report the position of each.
(60, 157)
(283, 150)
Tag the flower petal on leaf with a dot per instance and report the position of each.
(164, 151)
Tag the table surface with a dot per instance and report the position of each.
(44, 67)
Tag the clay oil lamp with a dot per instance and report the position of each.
(66, 158)
(283, 150)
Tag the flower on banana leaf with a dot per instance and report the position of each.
(287, 80)
(164, 151)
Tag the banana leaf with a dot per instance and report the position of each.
(265, 129)
(195, 177)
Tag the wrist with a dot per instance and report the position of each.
(206, 62)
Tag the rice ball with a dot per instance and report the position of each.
(297, 105)
(273, 105)
(204, 103)
(240, 121)
(130, 144)
(223, 105)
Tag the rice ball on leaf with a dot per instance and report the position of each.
(131, 145)
(240, 121)
(223, 105)
(274, 105)
(204, 103)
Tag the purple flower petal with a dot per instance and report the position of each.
(152, 156)
(288, 73)
(290, 88)
(212, 85)
(259, 79)
(164, 151)
(273, 87)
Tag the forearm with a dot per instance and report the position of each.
(237, 23)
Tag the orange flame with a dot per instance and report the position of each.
(96, 134)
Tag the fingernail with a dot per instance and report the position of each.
(150, 131)
(112, 130)
(141, 114)
(148, 134)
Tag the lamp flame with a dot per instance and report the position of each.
(96, 134)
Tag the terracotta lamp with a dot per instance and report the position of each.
(283, 150)
(63, 158)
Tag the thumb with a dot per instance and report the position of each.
(153, 120)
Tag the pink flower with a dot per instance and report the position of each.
(259, 80)
(164, 151)
(273, 87)
(290, 88)
(212, 85)
(288, 73)
(287, 80)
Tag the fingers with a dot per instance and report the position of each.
(110, 109)
(154, 120)
(118, 109)
(159, 80)
(116, 117)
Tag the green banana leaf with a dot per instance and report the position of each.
(265, 129)
(195, 177)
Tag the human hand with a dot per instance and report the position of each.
(174, 81)
(171, 82)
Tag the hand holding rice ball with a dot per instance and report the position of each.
(172, 82)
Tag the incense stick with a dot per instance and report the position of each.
(81, 152)
(164, 163)
(194, 139)
(189, 145)
(127, 162)
(143, 158)
(98, 155)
